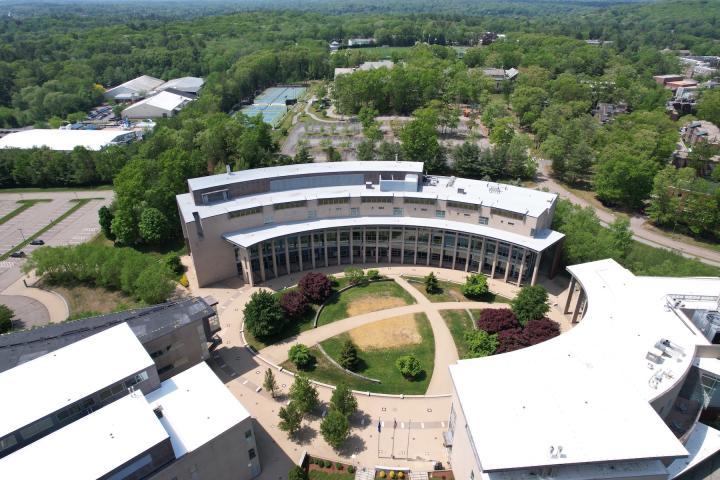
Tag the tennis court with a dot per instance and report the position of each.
(271, 103)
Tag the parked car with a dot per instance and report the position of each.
(19, 254)
(37, 242)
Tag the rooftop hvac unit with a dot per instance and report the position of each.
(368, 185)
(461, 191)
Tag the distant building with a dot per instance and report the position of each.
(66, 140)
(692, 134)
(488, 38)
(500, 76)
(598, 43)
(190, 85)
(700, 65)
(389, 64)
(360, 42)
(664, 79)
(684, 83)
(176, 335)
(162, 105)
(606, 112)
(334, 46)
(96, 409)
(134, 89)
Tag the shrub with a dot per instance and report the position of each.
(339, 465)
(510, 340)
(431, 283)
(373, 274)
(480, 343)
(382, 474)
(343, 400)
(351, 469)
(494, 320)
(184, 281)
(297, 473)
(475, 286)
(6, 316)
(531, 303)
(294, 303)
(172, 262)
(155, 284)
(348, 356)
(315, 286)
(391, 475)
(401, 475)
(263, 314)
(537, 331)
(327, 463)
(299, 354)
(354, 275)
(409, 366)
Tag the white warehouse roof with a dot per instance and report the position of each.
(141, 84)
(589, 389)
(90, 447)
(64, 140)
(184, 84)
(156, 106)
(53, 381)
(196, 407)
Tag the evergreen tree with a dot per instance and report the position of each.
(348, 356)
(269, 383)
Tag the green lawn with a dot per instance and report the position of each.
(337, 307)
(379, 364)
(24, 205)
(292, 329)
(330, 475)
(451, 292)
(458, 322)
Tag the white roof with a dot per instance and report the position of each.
(164, 101)
(222, 179)
(375, 65)
(589, 389)
(184, 84)
(143, 83)
(248, 237)
(196, 408)
(703, 442)
(90, 447)
(64, 140)
(51, 382)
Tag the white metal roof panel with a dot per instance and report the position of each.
(63, 140)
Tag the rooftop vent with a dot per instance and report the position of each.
(461, 191)
(368, 185)
(158, 411)
(228, 170)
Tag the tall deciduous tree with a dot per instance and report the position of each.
(263, 314)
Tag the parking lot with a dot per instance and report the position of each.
(79, 227)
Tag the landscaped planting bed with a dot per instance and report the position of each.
(364, 298)
(452, 292)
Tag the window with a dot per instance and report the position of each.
(397, 212)
(115, 389)
(36, 428)
(213, 197)
(333, 201)
(440, 213)
(483, 220)
(166, 368)
(376, 199)
(248, 433)
(312, 214)
(251, 453)
(419, 201)
(354, 212)
(507, 213)
(245, 212)
(127, 471)
(286, 205)
(532, 232)
(463, 205)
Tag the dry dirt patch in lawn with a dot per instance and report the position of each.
(373, 304)
(389, 333)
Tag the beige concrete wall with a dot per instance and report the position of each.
(462, 457)
(223, 458)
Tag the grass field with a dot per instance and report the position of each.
(459, 322)
(365, 298)
(87, 301)
(378, 363)
(451, 292)
(330, 475)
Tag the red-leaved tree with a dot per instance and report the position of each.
(315, 286)
(537, 331)
(510, 340)
(495, 320)
(294, 303)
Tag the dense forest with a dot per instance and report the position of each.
(55, 63)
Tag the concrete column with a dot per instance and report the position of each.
(580, 300)
(300, 252)
(468, 252)
(429, 247)
(538, 256)
(571, 291)
(274, 262)
(312, 249)
(337, 244)
(455, 250)
(325, 248)
(417, 234)
(351, 246)
(287, 256)
(402, 246)
(442, 249)
(507, 264)
(261, 258)
(497, 247)
(482, 255)
(522, 267)
(377, 244)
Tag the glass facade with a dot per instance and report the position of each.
(385, 245)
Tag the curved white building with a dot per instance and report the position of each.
(618, 396)
(264, 223)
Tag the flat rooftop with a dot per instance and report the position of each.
(588, 390)
(196, 408)
(521, 200)
(53, 381)
(146, 323)
(61, 140)
(211, 181)
(90, 447)
(248, 237)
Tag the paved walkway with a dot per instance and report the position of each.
(638, 224)
(29, 312)
(53, 302)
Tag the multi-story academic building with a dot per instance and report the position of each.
(629, 393)
(264, 223)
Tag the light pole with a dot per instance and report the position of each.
(21, 234)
